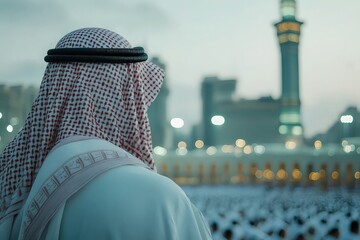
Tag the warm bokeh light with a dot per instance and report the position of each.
(296, 174)
(317, 144)
(258, 174)
(314, 176)
(247, 149)
(357, 175)
(177, 123)
(290, 145)
(335, 175)
(182, 144)
(240, 143)
(268, 174)
(1, 115)
(281, 174)
(199, 144)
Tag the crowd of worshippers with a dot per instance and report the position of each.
(257, 212)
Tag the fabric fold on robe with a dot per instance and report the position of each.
(84, 175)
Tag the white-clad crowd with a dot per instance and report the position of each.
(261, 212)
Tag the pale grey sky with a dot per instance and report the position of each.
(197, 38)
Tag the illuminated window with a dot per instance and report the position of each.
(293, 38)
(288, 8)
(286, 26)
(289, 37)
(283, 38)
(290, 118)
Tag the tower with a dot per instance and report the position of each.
(288, 32)
(158, 112)
(213, 92)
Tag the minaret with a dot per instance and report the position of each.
(288, 32)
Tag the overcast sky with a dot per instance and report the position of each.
(198, 38)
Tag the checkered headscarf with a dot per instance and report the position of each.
(103, 100)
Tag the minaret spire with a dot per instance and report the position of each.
(288, 9)
(288, 32)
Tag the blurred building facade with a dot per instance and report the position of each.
(256, 143)
(347, 126)
(15, 103)
(319, 165)
(256, 121)
(160, 128)
(261, 140)
(264, 120)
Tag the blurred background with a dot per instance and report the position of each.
(259, 108)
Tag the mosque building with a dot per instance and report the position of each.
(238, 141)
(264, 120)
(262, 141)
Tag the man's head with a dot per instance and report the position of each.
(107, 100)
